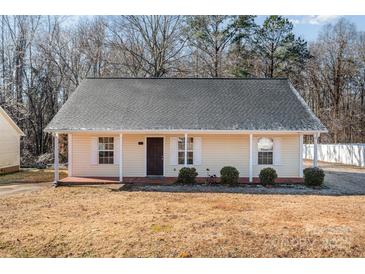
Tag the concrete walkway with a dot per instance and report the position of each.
(10, 189)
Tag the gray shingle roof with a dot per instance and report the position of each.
(185, 103)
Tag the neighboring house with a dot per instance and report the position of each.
(9, 144)
(135, 129)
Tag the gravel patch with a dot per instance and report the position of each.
(339, 180)
(247, 189)
(346, 183)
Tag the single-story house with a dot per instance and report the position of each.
(140, 129)
(10, 135)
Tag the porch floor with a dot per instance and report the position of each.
(80, 180)
(89, 180)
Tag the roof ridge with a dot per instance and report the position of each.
(187, 78)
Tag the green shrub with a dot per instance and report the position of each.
(187, 175)
(268, 176)
(313, 176)
(229, 175)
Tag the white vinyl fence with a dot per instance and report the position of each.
(349, 154)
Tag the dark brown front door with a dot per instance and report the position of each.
(155, 156)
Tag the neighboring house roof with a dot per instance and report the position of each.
(11, 122)
(117, 104)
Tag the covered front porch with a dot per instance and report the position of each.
(211, 150)
(77, 180)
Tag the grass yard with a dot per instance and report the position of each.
(100, 222)
(30, 175)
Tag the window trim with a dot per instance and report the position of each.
(106, 150)
(272, 151)
(272, 158)
(188, 150)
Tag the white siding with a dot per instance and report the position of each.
(134, 156)
(81, 159)
(9, 144)
(289, 157)
(217, 151)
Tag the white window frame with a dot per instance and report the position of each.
(183, 150)
(271, 150)
(106, 150)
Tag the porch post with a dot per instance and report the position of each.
(69, 150)
(315, 150)
(301, 155)
(186, 151)
(120, 157)
(56, 152)
(250, 172)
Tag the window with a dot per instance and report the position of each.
(181, 150)
(265, 151)
(106, 150)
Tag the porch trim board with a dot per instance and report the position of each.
(69, 148)
(121, 158)
(190, 131)
(56, 155)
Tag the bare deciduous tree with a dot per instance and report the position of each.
(44, 58)
(150, 46)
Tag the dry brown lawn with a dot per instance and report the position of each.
(100, 222)
(31, 175)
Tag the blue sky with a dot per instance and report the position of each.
(306, 26)
(309, 26)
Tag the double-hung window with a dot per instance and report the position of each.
(181, 151)
(265, 148)
(106, 150)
